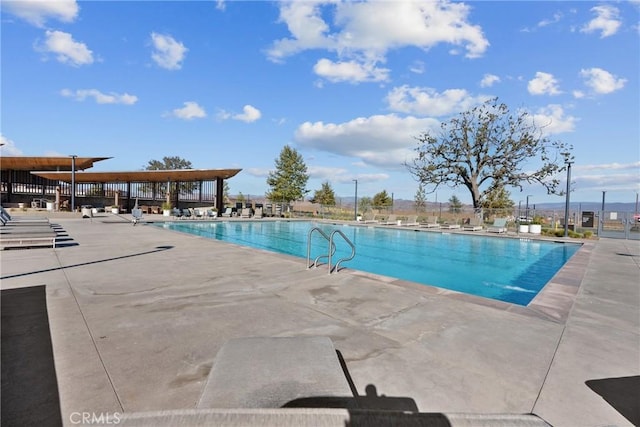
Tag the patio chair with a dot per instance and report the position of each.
(245, 213)
(432, 222)
(474, 224)
(391, 220)
(186, 213)
(227, 212)
(176, 213)
(412, 221)
(258, 214)
(499, 226)
(370, 218)
(450, 225)
(211, 214)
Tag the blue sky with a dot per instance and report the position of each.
(226, 84)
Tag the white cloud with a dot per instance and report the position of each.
(610, 166)
(601, 81)
(190, 111)
(168, 52)
(606, 21)
(67, 50)
(221, 5)
(381, 140)
(250, 114)
(362, 31)
(326, 172)
(100, 98)
(257, 172)
(417, 67)
(38, 12)
(552, 120)
(610, 182)
(350, 71)
(554, 20)
(489, 80)
(543, 84)
(427, 102)
(8, 147)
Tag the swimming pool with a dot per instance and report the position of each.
(505, 269)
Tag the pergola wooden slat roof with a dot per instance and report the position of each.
(174, 175)
(47, 163)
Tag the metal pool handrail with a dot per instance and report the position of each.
(323, 234)
(350, 257)
(331, 250)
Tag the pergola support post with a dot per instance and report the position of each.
(220, 195)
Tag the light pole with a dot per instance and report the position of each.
(566, 206)
(527, 208)
(602, 209)
(355, 209)
(73, 182)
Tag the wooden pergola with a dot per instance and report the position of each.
(73, 169)
(148, 176)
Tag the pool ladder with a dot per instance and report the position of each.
(331, 250)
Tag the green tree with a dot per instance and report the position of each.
(171, 163)
(364, 204)
(455, 205)
(290, 178)
(168, 163)
(488, 147)
(225, 192)
(499, 198)
(325, 195)
(420, 200)
(381, 199)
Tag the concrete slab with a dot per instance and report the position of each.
(137, 315)
(268, 372)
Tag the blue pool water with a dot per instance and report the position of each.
(505, 269)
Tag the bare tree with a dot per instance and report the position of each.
(486, 148)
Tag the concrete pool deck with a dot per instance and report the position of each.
(137, 315)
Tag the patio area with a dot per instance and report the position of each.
(137, 315)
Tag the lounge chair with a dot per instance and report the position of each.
(369, 218)
(198, 213)
(258, 214)
(391, 220)
(211, 214)
(227, 212)
(432, 222)
(6, 219)
(450, 225)
(245, 213)
(499, 226)
(412, 221)
(186, 213)
(474, 224)
(177, 213)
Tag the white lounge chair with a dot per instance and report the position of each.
(227, 212)
(450, 225)
(412, 221)
(475, 224)
(499, 226)
(258, 214)
(432, 222)
(370, 218)
(391, 220)
(245, 213)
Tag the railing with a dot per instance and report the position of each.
(331, 249)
